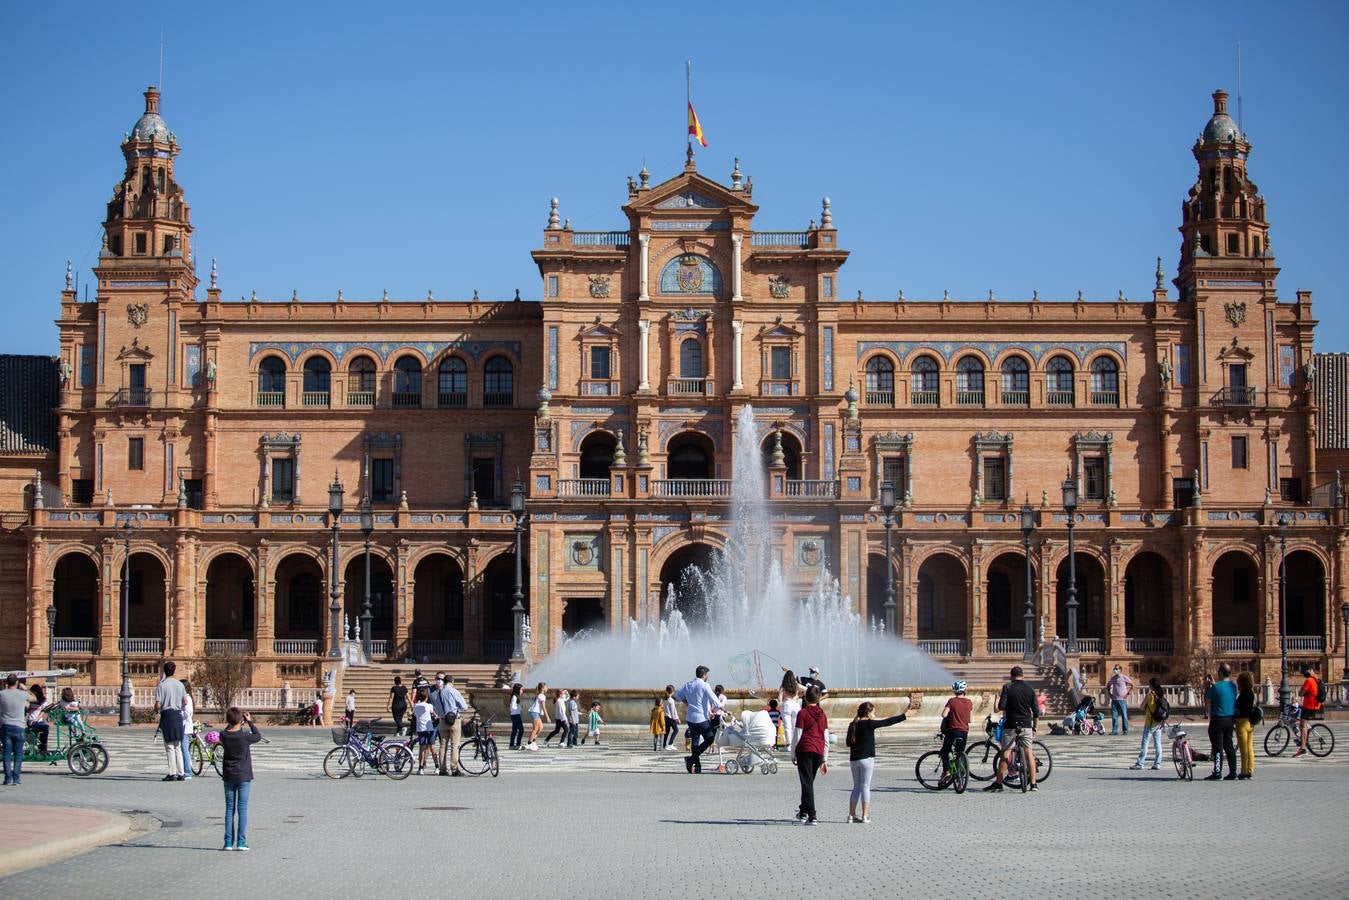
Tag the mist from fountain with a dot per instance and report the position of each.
(740, 618)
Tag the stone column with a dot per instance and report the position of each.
(735, 267)
(644, 266)
(1046, 609)
(473, 612)
(644, 353)
(1341, 596)
(264, 588)
(978, 623)
(908, 624)
(402, 613)
(1269, 599)
(1114, 585)
(737, 327)
(184, 643)
(38, 599)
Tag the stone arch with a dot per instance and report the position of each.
(1236, 594)
(596, 451)
(1305, 595)
(353, 550)
(55, 554)
(1149, 584)
(681, 460)
(209, 553)
(942, 596)
(76, 590)
(147, 594)
(690, 591)
(793, 453)
(456, 555)
(300, 598)
(437, 627)
(229, 595)
(1005, 593)
(279, 554)
(1093, 595)
(382, 590)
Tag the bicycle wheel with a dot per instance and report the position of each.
(396, 761)
(1012, 778)
(1320, 740)
(1023, 760)
(1044, 762)
(216, 757)
(929, 770)
(493, 758)
(1276, 739)
(198, 757)
(983, 760)
(340, 762)
(81, 760)
(1181, 758)
(100, 757)
(960, 773)
(472, 758)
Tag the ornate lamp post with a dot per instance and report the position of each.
(367, 528)
(124, 694)
(518, 608)
(1284, 693)
(1070, 507)
(334, 608)
(1027, 526)
(888, 507)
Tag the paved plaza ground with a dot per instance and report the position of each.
(621, 821)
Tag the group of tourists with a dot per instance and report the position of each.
(566, 718)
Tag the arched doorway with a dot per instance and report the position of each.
(687, 570)
(1305, 602)
(1236, 603)
(147, 607)
(381, 597)
(1090, 603)
(875, 614)
(690, 456)
(1005, 602)
(75, 596)
(437, 609)
(300, 601)
(498, 597)
(229, 598)
(943, 622)
(582, 614)
(597, 454)
(1149, 623)
(791, 454)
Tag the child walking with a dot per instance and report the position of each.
(573, 717)
(594, 723)
(671, 710)
(425, 727)
(657, 725)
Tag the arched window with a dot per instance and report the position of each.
(498, 388)
(689, 457)
(970, 381)
(1060, 374)
(272, 382)
(690, 274)
(317, 374)
(1015, 382)
(1104, 382)
(924, 374)
(452, 389)
(691, 359)
(880, 382)
(407, 381)
(361, 382)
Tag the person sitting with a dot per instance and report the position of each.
(71, 713)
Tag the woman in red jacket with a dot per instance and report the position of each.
(810, 752)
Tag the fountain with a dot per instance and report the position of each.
(740, 617)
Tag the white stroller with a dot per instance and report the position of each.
(750, 738)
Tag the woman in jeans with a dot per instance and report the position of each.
(862, 758)
(811, 751)
(236, 772)
(517, 718)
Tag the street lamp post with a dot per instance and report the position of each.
(1070, 507)
(51, 643)
(124, 694)
(1027, 526)
(334, 607)
(1284, 693)
(888, 507)
(367, 528)
(518, 608)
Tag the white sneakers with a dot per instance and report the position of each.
(531, 746)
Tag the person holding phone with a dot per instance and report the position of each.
(236, 772)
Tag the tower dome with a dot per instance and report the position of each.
(150, 127)
(1221, 127)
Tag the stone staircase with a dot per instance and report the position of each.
(991, 672)
(372, 683)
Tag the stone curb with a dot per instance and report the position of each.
(14, 859)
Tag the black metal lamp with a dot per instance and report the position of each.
(334, 607)
(1070, 507)
(518, 607)
(367, 528)
(888, 507)
(1028, 526)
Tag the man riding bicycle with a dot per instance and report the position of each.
(1020, 713)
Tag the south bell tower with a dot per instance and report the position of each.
(148, 215)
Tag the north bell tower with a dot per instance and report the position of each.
(148, 215)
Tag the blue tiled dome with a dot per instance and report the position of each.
(1221, 128)
(150, 127)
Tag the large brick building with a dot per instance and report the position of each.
(1186, 419)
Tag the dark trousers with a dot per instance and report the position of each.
(517, 731)
(1220, 737)
(807, 765)
(952, 739)
(701, 736)
(671, 732)
(571, 733)
(398, 713)
(559, 727)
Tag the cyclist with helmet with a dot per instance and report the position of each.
(955, 723)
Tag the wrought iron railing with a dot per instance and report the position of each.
(498, 399)
(778, 387)
(583, 487)
(437, 651)
(496, 649)
(686, 386)
(454, 399)
(1235, 396)
(407, 399)
(691, 487)
(131, 397)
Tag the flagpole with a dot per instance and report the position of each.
(688, 95)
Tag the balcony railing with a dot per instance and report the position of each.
(687, 385)
(271, 398)
(1105, 398)
(496, 649)
(1149, 646)
(1016, 398)
(880, 398)
(1006, 646)
(239, 646)
(295, 647)
(154, 646)
(379, 649)
(407, 399)
(925, 398)
(969, 398)
(1090, 645)
(131, 397)
(1305, 643)
(498, 399)
(583, 487)
(818, 489)
(1062, 398)
(1234, 643)
(453, 399)
(360, 398)
(601, 239)
(943, 647)
(691, 487)
(598, 387)
(315, 398)
(437, 651)
(72, 645)
(1235, 396)
(780, 239)
(778, 387)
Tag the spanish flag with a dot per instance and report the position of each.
(696, 127)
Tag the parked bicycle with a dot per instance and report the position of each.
(1320, 739)
(1017, 758)
(478, 750)
(934, 777)
(982, 757)
(357, 750)
(1182, 755)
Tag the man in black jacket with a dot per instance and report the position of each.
(1020, 713)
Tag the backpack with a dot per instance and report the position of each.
(1162, 712)
(1320, 691)
(1257, 716)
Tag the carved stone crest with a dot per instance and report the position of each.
(137, 313)
(811, 554)
(1236, 313)
(778, 287)
(690, 314)
(582, 552)
(599, 286)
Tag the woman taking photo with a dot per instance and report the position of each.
(237, 774)
(811, 724)
(862, 758)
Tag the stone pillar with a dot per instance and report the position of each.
(735, 267)
(109, 587)
(1200, 611)
(644, 352)
(1114, 584)
(1047, 608)
(208, 485)
(181, 605)
(1341, 596)
(473, 612)
(402, 611)
(908, 624)
(1268, 592)
(38, 599)
(264, 589)
(978, 621)
(644, 267)
(737, 327)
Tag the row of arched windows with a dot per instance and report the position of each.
(1015, 381)
(451, 381)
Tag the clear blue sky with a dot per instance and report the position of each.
(1005, 146)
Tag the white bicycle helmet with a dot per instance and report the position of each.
(959, 687)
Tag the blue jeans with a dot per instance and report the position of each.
(13, 752)
(1151, 733)
(1119, 709)
(187, 754)
(236, 801)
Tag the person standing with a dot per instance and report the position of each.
(657, 724)
(1020, 714)
(593, 724)
(1156, 710)
(398, 703)
(538, 714)
(517, 718)
(448, 704)
(701, 714)
(187, 730)
(349, 713)
(861, 742)
(1120, 685)
(573, 716)
(318, 709)
(813, 679)
(811, 753)
(13, 715)
(789, 702)
(560, 724)
(671, 710)
(425, 727)
(1312, 692)
(1248, 715)
(236, 772)
(1222, 708)
(169, 696)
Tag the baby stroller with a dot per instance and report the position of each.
(751, 739)
(1085, 719)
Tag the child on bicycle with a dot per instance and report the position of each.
(422, 713)
(593, 725)
(955, 723)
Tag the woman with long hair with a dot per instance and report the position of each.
(1247, 710)
(538, 714)
(811, 751)
(517, 718)
(861, 742)
(789, 705)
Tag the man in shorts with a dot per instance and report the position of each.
(1020, 713)
(1311, 706)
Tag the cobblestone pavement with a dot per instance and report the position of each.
(622, 821)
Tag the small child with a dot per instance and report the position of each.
(776, 716)
(426, 731)
(573, 717)
(657, 725)
(70, 708)
(593, 726)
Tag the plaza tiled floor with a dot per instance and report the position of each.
(621, 821)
